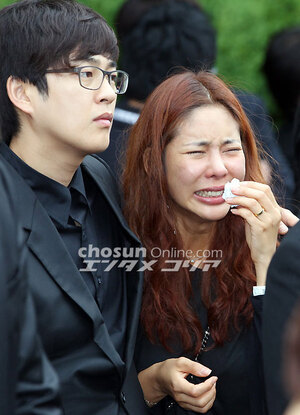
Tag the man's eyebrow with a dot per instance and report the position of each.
(111, 63)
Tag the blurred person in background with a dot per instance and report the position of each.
(282, 71)
(158, 37)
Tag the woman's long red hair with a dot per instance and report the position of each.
(166, 310)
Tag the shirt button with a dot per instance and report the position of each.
(123, 397)
(99, 280)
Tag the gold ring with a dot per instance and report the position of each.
(260, 213)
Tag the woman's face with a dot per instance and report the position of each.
(205, 153)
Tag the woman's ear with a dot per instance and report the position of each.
(19, 93)
(146, 160)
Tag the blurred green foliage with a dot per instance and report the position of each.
(243, 26)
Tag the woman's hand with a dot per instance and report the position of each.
(169, 378)
(262, 214)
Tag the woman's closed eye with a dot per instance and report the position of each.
(233, 149)
(196, 152)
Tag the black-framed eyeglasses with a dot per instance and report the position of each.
(91, 77)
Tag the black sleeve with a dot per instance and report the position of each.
(28, 384)
(257, 302)
(37, 385)
(282, 294)
(255, 360)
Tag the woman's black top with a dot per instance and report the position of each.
(237, 364)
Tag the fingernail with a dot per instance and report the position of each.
(204, 371)
(283, 228)
(214, 381)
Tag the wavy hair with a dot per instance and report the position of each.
(166, 307)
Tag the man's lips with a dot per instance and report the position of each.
(105, 116)
(104, 119)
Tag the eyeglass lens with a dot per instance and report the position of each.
(92, 78)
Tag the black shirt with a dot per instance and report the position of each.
(83, 220)
(237, 364)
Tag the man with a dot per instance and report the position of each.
(282, 294)
(58, 92)
(28, 384)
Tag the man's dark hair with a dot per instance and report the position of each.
(159, 35)
(282, 69)
(38, 34)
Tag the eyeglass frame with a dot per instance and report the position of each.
(78, 70)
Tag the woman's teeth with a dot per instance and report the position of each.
(205, 193)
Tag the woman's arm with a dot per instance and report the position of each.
(262, 215)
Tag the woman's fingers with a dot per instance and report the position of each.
(255, 197)
(258, 199)
(190, 366)
(173, 373)
(202, 410)
(202, 396)
(252, 205)
(188, 395)
(265, 188)
(288, 218)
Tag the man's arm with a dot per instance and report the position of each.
(28, 384)
(37, 383)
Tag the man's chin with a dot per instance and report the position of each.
(98, 147)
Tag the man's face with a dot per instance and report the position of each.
(72, 118)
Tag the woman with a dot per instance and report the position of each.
(191, 138)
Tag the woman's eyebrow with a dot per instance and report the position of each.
(197, 143)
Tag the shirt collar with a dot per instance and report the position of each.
(54, 196)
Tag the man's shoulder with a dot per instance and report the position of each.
(18, 193)
(103, 174)
(96, 162)
(7, 183)
(9, 205)
(8, 174)
(100, 168)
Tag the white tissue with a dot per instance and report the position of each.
(227, 190)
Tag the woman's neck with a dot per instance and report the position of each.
(197, 237)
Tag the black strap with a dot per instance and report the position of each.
(191, 378)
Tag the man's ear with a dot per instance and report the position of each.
(19, 93)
